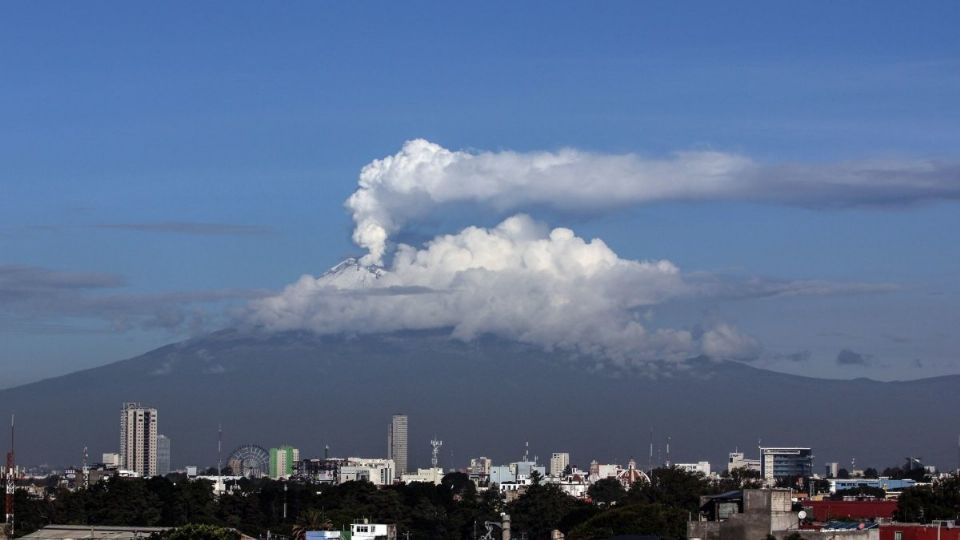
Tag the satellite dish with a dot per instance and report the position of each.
(802, 514)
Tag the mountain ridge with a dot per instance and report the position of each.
(486, 397)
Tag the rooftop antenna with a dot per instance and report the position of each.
(526, 452)
(326, 451)
(11, 485)
(435, 445)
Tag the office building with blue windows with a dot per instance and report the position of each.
(785, 463)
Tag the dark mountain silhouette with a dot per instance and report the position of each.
(483, 398)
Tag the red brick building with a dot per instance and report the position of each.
(826, 510)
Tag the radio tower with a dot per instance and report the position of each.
(86, 470)
(668, 452)
(11, 485)
(435, 458)
(220, 487)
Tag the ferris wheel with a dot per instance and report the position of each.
(249, 460)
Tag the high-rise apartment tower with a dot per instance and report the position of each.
(397, 443)
(138, 439)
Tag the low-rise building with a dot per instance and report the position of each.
(358, 531)
(702, 467)
(754, 514)
(940, 530)
(829, 510)
(429, 476)
(736, 460)
(884, 483)
(378, 471)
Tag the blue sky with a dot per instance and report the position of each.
(127, 125)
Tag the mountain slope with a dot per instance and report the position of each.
(484, 398)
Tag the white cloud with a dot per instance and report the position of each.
(424, 176)
(522, 281)
(517, 280)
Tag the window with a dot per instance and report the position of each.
(898, 535)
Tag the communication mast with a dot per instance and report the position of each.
(220, 487)
(435, 457)
(11, 485)
(86, 470)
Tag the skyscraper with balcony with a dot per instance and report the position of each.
(397, 443)
(138, 439)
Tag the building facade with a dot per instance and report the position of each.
(559, 462)
(737, 460)
(380, 472)
(163, 455)
(702, 467)
(785, 462)
(138, 439)
(282, 461)
(397, 443)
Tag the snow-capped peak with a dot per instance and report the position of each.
(351, 274)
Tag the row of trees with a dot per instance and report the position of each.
(452, 510)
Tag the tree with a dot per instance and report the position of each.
(925, 503)
(843, 474)
(459, 485)
(641, 519)
(541, 510)
(673, 487)
(535, 477)
(311, 520)
(739, 478)
(870, 472)
(606, 491)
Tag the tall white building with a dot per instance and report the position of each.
(138, 439)
(559, 462)
(397, 443)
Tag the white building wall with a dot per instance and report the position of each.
(559, 462)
